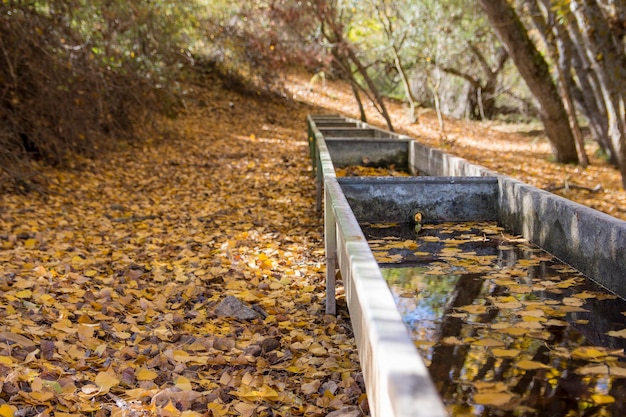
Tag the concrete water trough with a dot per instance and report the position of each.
(397, 381)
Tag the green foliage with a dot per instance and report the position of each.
(77, 72)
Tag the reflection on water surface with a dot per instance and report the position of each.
(506, 329)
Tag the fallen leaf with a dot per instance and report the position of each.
(494, 399)
(529, 365)
(617, 333)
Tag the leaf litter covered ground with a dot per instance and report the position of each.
(112, 281)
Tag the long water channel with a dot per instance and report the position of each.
(505, 328)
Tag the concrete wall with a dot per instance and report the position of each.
(438, 199)
(590, 241)
(374, 152)
(338, 132)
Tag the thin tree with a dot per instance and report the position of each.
(556, 56)
(535, 71)
(383, 8)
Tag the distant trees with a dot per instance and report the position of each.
(585, 41)
(73, 71)
(571, 53)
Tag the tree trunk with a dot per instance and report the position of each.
(562, 68)
(608, 63)
(588, 93)
(407, 85)
(343, 51)
(371, 86)
(344, 66)
(535, 71)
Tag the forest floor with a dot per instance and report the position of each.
(114, 279)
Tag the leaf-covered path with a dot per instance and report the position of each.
(110, 282)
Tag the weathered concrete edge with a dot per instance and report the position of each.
(438, 199)
(590, 241)
(397, 381)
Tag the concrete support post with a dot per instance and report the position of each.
(330, 246)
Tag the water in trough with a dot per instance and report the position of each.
(505, 328)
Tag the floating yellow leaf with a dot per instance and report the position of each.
(505, 353)
(474, 309)
(617, 333)
(514, 331)
(452, 340)
(593, 370)
(600, 399)
(494, 399)
(589, 353)
(529, 365)
(489, 386)
(488, 342)
(573, 301)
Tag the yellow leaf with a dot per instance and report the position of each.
(452, 341)
(600, 399)
(495, 399)
(617, 333)
(30, 243)
(265, 393)
(593, 370)
(317, 350)
(505, 353)
(588, 353)
(531, 365)
(217, 409)
(91, 273)
(169, 410)
(42, 397)
(6, 360)
(7, 410)
(486, 386)
(514, 331)
(474, 309)
(24, 294)
(311, 387)
(145, 374)
(106, 380)
(183, 383)
(617, 372)
(488, 342)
